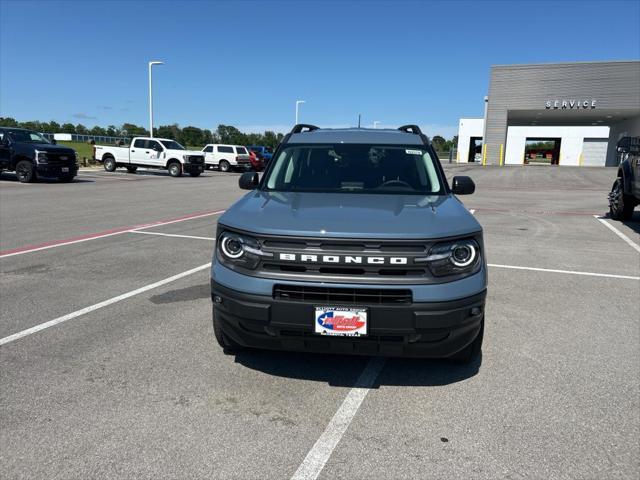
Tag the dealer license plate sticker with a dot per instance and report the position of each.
(341, 321)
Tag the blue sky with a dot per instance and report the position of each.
(245, 63)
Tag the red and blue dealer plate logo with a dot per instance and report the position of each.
(341, 321)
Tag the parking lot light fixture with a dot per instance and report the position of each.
(151, 64)
(298, 102)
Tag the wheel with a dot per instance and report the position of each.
(620, 205)
(195, 173)
(227, 344)
(175, 169)
(110, 164)
(66, 178)
(224, 166)
(469, 353)
(132, 169)
(25, 171)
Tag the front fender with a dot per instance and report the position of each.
(627, 176)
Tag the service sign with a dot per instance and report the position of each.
(341, 321)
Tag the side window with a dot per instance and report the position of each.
(223, 149)
(241, 150)
(139, 143)
(208, 149)
(153, 145)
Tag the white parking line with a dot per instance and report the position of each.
(633, 245)
(317, 457)
(571, 272)
(111, 301)
(173, 235)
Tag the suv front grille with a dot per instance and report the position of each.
(330, 295)
(196, 159)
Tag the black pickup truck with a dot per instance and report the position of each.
(31, 155)
(625, 193)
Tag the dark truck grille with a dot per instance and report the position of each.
(196, 159)
(351, 296)
(57, 159)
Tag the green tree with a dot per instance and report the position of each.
(438, 143)
(81, 129)
(8, 122)
(96, 130)
(68, 128)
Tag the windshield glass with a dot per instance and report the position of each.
(171, 145)
(344, 168)
(27, 137)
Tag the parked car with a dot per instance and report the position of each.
(227, 157)
(263, 152)
(31, 155)
(625, 192)
(151, 153)
(257, 164)
(351, 242)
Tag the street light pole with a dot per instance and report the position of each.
(151, 64)
(298, 102)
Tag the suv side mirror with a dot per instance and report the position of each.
(248, 181)
(462, 185)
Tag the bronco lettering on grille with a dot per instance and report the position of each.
(346, 259)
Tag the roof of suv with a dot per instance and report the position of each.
(357, 135)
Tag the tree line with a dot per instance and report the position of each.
(190, 135)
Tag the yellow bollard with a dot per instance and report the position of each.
(580, 160)
(484, 155)
(501, 153)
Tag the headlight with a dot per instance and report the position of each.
(41, 157)
(239, 250)
(454, 258)
(185, 158)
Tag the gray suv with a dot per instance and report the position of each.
(351, 242)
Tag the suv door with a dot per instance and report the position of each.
(138, 153)
(209, 156)
(5, 151)
(154, 152)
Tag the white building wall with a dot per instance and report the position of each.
(570, 146)
(467, 128)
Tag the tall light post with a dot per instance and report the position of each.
(375, 124)
(151, 64)
(298, 102)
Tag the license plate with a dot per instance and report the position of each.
(341, 321)
(65, 169)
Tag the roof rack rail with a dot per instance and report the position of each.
(411, 129)
(298, 128)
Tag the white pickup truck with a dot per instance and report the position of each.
(151, 153)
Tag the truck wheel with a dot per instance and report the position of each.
(25, 172)
(131, 169)
(110, 164)
(620, 205)
(228, 346)
(469, 353)
(175, 169)
(224, 166)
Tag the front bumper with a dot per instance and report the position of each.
(193, 167)
(46, 170)
(425, 329)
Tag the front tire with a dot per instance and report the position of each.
(25, 171)
(175, 169)
(224, 166)
(228, 346)
(620, 205)
(110, 164)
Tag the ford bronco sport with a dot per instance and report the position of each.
(351, 242)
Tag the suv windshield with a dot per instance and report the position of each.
(24, 136)
(345, 168)
(171, 145)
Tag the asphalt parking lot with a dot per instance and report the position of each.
(109, 368)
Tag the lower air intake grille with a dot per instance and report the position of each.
(361, 296)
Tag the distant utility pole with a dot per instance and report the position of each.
(151, 64)
(298, 102)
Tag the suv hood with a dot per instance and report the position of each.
(351, 215)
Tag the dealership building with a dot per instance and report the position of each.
(559, 114)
